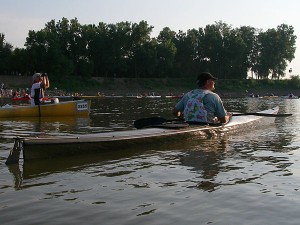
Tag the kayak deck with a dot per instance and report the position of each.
(49, 147)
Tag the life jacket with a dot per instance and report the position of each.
(194, 110)
(37, 96)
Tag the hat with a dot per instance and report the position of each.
(35, 76)
(203, 77)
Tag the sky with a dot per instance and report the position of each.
(17, 17)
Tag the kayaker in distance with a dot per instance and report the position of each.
(202, 104)
(39, 83)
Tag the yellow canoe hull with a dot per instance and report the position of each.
(68, 108)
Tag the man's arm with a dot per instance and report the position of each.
(226, 118)
(177, 113)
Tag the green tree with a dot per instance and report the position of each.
(119, 48)
(140, 36)
(276, 48)
(187, 60)
(36, 47)
(99, 48)
(47, 49)
(6, 50)
(20, 61)
(235, 55)
(127, 50)
(249, 36)
(146, 59)
(212, 49)
(166, 51)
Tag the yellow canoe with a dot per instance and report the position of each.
(67, 108)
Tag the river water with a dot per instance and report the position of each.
(252, 177)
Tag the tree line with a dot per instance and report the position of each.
(125, 49)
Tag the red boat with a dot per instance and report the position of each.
(24, 98)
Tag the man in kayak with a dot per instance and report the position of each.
(202, 104)
(39, 83)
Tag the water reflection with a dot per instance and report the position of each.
(15, 170)
(23, 127)
(239, 159)
(206, 160)
(215, 162)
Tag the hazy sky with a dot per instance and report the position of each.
(17, 17)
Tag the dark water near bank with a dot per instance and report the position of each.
(248, 178)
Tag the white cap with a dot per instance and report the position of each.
(36, 75)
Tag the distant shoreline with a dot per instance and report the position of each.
(163, 87)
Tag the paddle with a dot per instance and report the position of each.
(160, 122)
(151, 121)
(39, 110)
(263, 114)
(155, 121)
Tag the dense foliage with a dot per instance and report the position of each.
(67, 48)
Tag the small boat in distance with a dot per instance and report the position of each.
(290, 96)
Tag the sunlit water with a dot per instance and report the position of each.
(252, 177)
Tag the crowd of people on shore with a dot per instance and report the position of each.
(6, 92)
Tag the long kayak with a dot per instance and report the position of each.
(50, 147)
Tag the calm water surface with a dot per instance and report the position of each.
(252, 177)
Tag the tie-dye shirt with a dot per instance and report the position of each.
(194, 111)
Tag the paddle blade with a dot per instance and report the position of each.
(263, 114)
(148, 122)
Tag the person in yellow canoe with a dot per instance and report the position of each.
(39, 83)
(202, 104)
